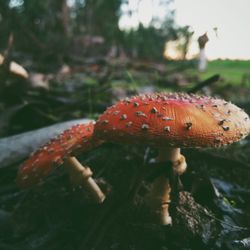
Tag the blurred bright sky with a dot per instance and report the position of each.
(230, 17)
(136, 11)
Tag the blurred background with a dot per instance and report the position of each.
(66, 59)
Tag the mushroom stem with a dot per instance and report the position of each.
(158, 200)
(160, 193)
(80, 175)
(173, 155)
(168, 154)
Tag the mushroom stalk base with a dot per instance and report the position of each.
(158, 200)
(160, 193)
(80, 175)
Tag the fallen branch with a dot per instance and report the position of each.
(205, 83)
(22, 145)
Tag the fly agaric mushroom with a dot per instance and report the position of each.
(167, 121)
(170, 121)
(58, 151)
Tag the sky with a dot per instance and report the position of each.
(135, 11)
(231, 18)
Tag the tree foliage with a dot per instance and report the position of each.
(48, 29)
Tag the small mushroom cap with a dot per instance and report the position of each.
(173, 119)
(43, 161)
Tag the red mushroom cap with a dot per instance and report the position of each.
(43, 161)
(177, 120)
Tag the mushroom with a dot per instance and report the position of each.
(60, 150)
(15, 68)
(170, 121)
(167, 121)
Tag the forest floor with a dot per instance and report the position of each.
(213, 211)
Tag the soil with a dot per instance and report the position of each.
(212, 212)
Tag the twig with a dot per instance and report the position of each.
(227, 224)
(6, 53)
(202, 84)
